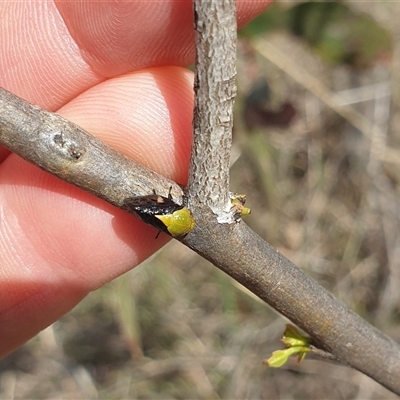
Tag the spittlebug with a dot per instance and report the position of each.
(163, 213)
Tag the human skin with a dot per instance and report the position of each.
(117, 69)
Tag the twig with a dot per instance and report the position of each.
(67, 151)
(322, 353)
(215, 90)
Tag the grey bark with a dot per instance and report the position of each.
(62, 148)
(215, 91)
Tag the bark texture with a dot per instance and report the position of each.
(60, 147)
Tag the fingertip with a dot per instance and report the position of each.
(146, 115)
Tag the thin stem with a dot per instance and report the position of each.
(67, 151)
(215, 89)
(247, 258)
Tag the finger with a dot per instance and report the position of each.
(39, 60)
(116, 38)
(52, 51)
(146, 115)
(57, 242)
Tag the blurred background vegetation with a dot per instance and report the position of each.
(316, 150)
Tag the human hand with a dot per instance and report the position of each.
(117, 70)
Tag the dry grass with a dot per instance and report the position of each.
(325, 193)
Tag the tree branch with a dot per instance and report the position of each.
(247, 258)
(62, 148)
(215, 91)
